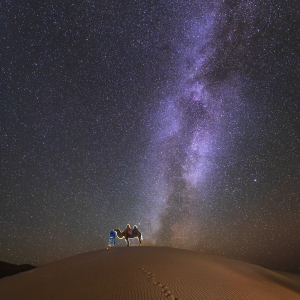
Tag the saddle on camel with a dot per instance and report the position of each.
(129, 233)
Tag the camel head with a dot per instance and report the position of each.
(119, 233)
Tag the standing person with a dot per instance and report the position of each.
(127, 232)
(111, 242)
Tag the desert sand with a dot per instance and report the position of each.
(7, 269)
(149, 273)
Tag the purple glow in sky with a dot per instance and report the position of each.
(189, 126)
(179, 116)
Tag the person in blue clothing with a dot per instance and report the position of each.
(111, 242)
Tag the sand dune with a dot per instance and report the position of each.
(148, 273)
(7, 269)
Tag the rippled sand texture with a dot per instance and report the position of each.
(149, 273)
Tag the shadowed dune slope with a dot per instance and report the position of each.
(148, 273)
(7, 269)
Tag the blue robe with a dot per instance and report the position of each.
(111, 241)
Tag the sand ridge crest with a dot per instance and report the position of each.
(148, 273)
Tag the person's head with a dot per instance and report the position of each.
(112, 230)
(128, 225)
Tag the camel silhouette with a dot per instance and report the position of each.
(134, 234)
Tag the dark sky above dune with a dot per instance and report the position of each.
(182, 117)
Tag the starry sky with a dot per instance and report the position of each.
(180, 117)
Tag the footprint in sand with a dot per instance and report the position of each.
(165, 289)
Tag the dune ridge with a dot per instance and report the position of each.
(7, 269)
(148, 273)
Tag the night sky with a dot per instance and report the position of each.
(180, 117)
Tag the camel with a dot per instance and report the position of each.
(135, 234)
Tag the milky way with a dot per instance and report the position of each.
(214, 145)
(179, 117)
